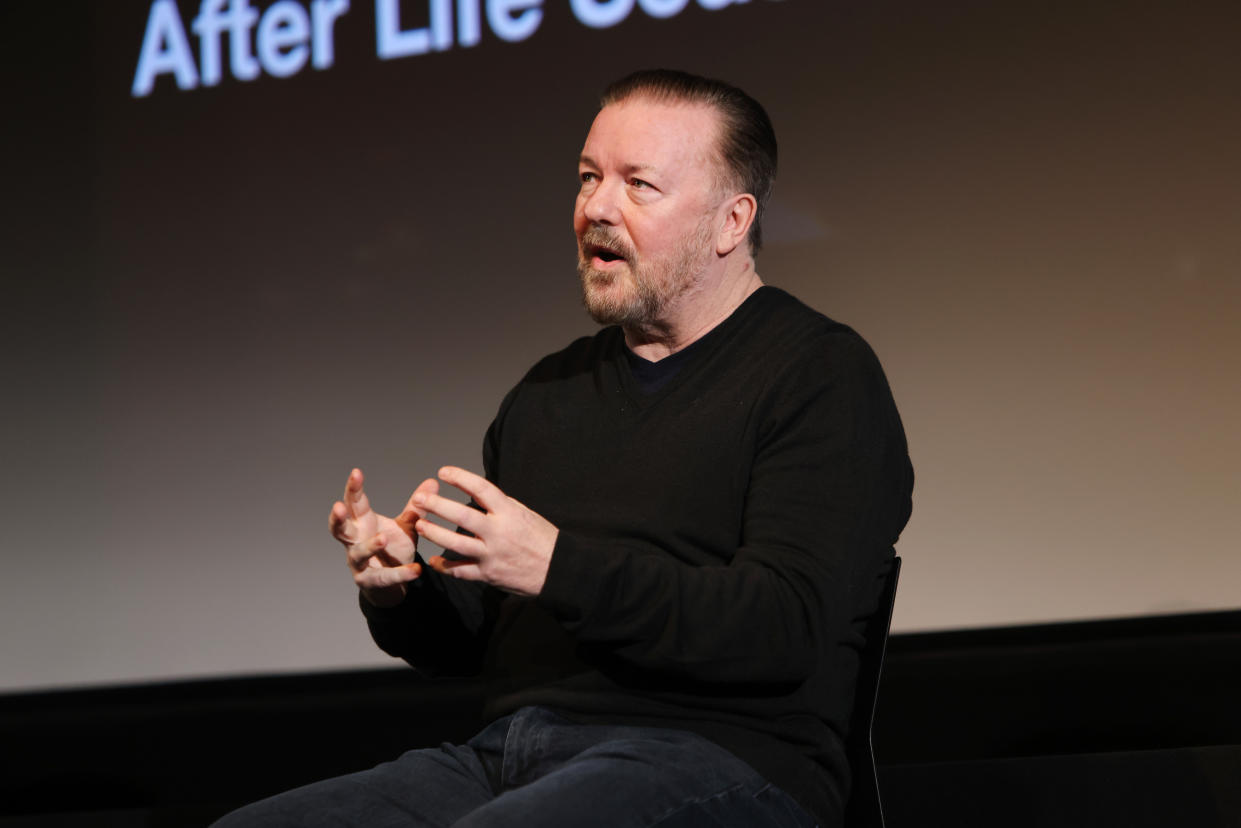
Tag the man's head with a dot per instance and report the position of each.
(674, 174)
(746, 141)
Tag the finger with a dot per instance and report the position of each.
(467, 570)
(412, 512)
(484, 492)
(356, 502)
(375, 577)
(359, 554)
(337, 523)
(430, 486)
(385, 558)
(448, 539)
(466, 517)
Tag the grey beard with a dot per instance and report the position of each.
(651, 290)
(641, 310)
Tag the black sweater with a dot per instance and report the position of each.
(721, 543)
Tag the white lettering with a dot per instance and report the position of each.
(165, 48)
(208, 25)
(324, 14)
(392, 42)
(468, 29)
(288, 35)
(662, 8)
(514, 20)
(211, 21)
(600, 14)
(240, 19)
(282, 37)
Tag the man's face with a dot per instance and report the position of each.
(645, 216)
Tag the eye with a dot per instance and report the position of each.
(587, 177)
(638, 183)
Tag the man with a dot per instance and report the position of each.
(680, 530)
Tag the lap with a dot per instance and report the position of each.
(643, 781)
(538, 769)
(430, 788)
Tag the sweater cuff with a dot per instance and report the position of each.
(387, 615)
(569, 588)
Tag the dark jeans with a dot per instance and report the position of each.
(536, 768)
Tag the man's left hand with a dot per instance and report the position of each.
(512, 545)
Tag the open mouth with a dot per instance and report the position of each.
(603, 254)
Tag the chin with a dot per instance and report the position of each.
(617, 306)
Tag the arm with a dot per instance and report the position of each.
(411, 614)
(440, 628)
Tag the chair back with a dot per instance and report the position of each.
(865, 808)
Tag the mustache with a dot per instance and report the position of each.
(600, 236)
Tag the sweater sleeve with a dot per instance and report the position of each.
(827, 495)
(443, 625)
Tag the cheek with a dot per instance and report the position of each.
(650, 241)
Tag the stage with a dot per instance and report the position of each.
(1121, 722)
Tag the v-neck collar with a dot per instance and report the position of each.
(696, 354)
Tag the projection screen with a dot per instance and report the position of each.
(253, 245)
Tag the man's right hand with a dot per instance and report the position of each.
(379, 550)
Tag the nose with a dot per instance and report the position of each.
(600, 206)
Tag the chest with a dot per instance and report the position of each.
(669, 475)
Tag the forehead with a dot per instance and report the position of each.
(642, 133)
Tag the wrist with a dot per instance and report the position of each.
(384, 597)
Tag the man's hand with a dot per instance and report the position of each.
(379, 550)
(512, 545)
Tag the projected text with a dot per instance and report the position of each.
(286, 36)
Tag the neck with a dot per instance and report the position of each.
(693, 314)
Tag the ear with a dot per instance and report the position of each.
(739, 211)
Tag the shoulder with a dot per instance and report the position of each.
(579, 357)
(822, 387)
(560, 380)
(790, 337)
(814, 370)
(573, 366)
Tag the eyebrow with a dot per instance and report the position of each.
(629, 169)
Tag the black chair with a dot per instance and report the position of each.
(865, 809)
